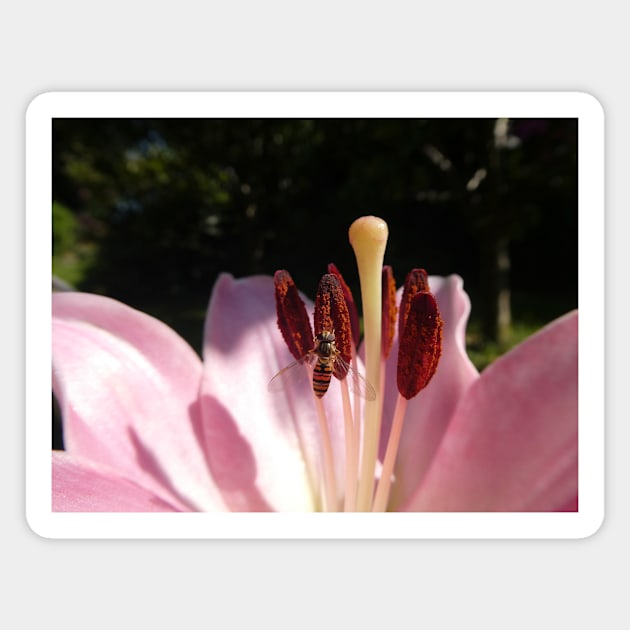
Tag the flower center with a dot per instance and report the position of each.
(331, 351)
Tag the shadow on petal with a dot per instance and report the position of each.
(230, 459)
(149, 463)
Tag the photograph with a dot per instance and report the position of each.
(296, 313)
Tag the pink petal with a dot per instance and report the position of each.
(429, 412)
(512, 443)
(569, 506)
(262, 447)
(82, 486)
(128, 390)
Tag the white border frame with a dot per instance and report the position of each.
(578, 105)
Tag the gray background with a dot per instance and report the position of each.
(280, 45)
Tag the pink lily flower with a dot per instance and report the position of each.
(149, 427)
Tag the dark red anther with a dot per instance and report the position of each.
(350, 303)
(293, 320)
(417, 280)
(331, 315)
(389, 311)
(420, 345)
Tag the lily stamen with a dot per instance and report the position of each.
(355, 441)
(390, 311)
(293, 320)
(419, 351)
(328, 354)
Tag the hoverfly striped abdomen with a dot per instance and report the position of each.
(322, 372)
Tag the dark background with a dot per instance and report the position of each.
(150, 211)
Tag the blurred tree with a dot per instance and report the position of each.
(170, 203)
(502, 182)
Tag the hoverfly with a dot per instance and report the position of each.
(325, 360)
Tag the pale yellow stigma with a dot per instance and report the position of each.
(368, 237)
(366, 234)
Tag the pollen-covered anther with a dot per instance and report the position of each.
(331, 315)
(350, 303)
(389, 310)
(417, 280)
(420, 345)
(293, 320)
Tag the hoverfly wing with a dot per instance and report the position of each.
(356, 382)
(291, 374)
